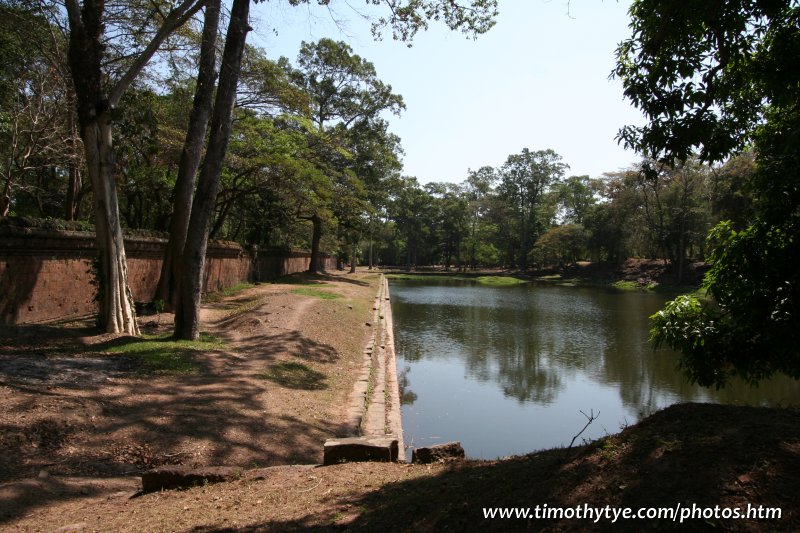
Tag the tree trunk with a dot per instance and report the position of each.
(371, 230)
(354, 256)
(116, 310)
(73, 193)
(190, 158)
(316, 236)
(187, 315)
(116, 313)
(94, 104)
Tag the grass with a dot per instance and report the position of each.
(634, 286)
(295, 375)
(418, 277)
(316, 293)
(163, 355)
(214, 297)
(499, 281)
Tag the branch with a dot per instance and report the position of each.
(591, 417)
(177, 17)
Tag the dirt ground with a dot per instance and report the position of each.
(79, 423)
(272, 392)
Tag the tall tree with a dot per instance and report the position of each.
(190, 155)
(525, 179)
(479, 189)
(344, 88)
(187, 315)
(95, 100)
(39, 142)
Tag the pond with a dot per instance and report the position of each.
(508, 370)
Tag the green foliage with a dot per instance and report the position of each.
(226, 292)
(716, 77)
(748, 325)
(560, 245)
(499, 281)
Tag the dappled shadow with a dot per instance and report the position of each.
(707, 455)
(88, 413)
(292, 342)
(296, 376)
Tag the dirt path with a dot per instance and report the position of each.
(270, 394)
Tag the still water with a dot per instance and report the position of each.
(508, 370)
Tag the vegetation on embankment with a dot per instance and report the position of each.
(630, 275)
(483, 279)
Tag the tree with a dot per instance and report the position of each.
(95, 101)
(525, 178)
(376, 162)
(344, 88)
(40, 158)
(190, 156)
(576, 195)
(715, 77)
(187, 314)
(479, 195)
(560, 246)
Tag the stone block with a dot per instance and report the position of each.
(357, 449)
(448, 451)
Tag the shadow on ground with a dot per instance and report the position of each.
(79, 411)
(706, 455)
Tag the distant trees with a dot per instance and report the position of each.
(525, 214)
(525, 179)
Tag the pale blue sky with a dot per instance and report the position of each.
(538, 79)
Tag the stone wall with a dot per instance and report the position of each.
(47, 275)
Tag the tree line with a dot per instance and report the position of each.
(527, 213)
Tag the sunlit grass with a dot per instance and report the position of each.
(316, 293)
(499, 281)
(213, 297)
(160, 354)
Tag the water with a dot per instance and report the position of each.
(508, 370)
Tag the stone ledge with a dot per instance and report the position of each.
(448, 451)
(357, 449)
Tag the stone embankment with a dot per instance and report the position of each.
(375, 401)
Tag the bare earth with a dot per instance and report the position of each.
(78, 424)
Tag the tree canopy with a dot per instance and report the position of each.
(716, 78)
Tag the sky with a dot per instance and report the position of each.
(538, 79)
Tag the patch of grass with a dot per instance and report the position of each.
(296, 376)
(214, 297)
(325, 295)
(160, 354)
(244, 307)
(499, 281)
(634, 286)
(625, 285)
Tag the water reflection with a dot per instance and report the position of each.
(507, 369)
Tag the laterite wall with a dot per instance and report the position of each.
(46, 275)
